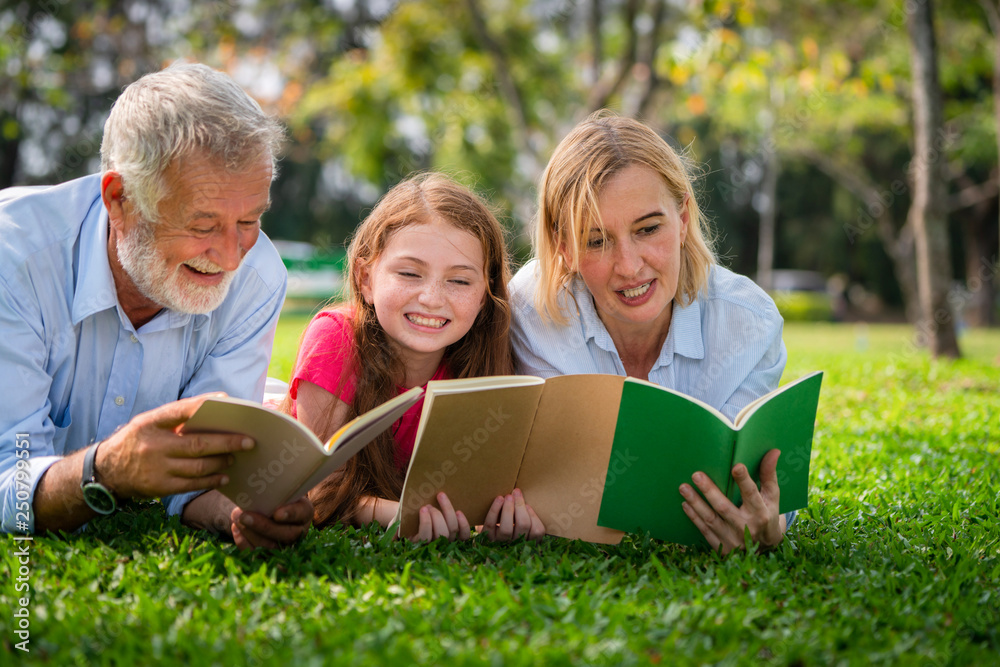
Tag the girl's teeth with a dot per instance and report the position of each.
(434, 323)
(636, 291)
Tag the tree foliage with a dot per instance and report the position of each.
(371, 91)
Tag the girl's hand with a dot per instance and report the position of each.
(510, 517)
(444, 522)
(722, 523)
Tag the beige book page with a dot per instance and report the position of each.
(469, 446)
(568, 453)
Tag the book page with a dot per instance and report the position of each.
(784, 421)
(469, 445)
(567, 457)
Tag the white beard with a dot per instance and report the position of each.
(147, 267)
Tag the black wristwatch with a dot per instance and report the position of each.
(98, 497)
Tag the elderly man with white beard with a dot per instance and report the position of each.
(125, 298)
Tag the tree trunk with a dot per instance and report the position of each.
(768, 209)
(992, 8)
(928, 210)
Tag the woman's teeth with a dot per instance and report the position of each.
(633, 292)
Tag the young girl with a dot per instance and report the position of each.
(428, 273)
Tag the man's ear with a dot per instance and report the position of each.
(113, 194)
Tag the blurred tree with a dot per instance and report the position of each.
(374, 90)
(928, 214)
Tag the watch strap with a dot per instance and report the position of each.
(97, 496)
(88, 464)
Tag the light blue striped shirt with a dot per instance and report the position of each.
(724, 348)
(73, 368)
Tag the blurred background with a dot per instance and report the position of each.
(798, 119)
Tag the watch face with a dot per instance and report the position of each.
(99, 498)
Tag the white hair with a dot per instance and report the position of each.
(185, 109)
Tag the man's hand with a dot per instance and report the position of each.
(147, 457)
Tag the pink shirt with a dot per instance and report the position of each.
(326, 359)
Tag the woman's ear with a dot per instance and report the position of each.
(685, 217)
(566, 256)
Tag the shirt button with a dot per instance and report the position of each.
(134, 339)
(119, 401)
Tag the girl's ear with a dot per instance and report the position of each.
(365, 281)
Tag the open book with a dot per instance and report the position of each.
(670, 436)
(576, 444)
(288, 459)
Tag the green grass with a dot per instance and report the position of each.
(896, 560)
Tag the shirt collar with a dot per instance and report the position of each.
(684, 337)
(95, 284)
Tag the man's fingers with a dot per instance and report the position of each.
(199, 467)
(195, 445)
(175, 413)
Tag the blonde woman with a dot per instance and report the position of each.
(625, 282)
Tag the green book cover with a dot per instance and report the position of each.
(667, 436)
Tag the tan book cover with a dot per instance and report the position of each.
(480, 438)
(288, 459)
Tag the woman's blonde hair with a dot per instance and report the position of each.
(588, 157)
(484, 350)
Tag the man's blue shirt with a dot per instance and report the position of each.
(73, 368)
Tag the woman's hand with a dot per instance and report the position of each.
(722, 523)
(510, 517)
(444, 522)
